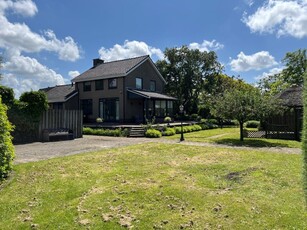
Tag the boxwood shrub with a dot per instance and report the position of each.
(153, 133)
(169, 132)
(252, 124)
(105, 132)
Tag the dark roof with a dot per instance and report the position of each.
(113, 69)
(151, 95)
(59, 93)
(292, 97)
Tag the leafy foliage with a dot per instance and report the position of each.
(7, 95)
(153, 133)
(252, 124)
(243, 103)
(6, 147)
(295, 67)
(34, 103)
(106, 132)
(185, 71)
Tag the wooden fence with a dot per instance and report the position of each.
(57, 119)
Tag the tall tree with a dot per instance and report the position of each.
(295, 67)
(185, 71)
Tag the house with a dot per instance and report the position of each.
(62, 97)
(129, 90)
(289, 124)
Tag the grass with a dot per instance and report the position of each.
(230, 136)
(155, 186)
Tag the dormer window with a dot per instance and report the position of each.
(138, 83)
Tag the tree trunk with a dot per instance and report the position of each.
(241, 130)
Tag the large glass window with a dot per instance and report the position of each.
(109, 109)
(152, 86)
(99, 85)
(160, 107)
(170, 108)
(87, 106)
(113, 83)
(139, 83)
(87, 86)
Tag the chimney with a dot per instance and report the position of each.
(97, 62)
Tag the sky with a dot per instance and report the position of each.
(47, 43)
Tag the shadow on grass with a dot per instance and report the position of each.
(251, 143)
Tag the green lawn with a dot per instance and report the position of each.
(157, 186)
(231, 136)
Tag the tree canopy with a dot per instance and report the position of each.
(295, 67)
(185, 71)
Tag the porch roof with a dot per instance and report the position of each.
(151, 95)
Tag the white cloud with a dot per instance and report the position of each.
(257, 61)
(206, 45)
(282, 17)
(24, 73)
(270, 73)
(73, 74)
(22, 7)
(128, 50)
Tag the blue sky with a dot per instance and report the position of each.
(47, 43)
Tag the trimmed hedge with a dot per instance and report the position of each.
(106, 132)
(153, 133)
(252, 124)
(7, 152)
(169, 132)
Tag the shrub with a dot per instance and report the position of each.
(167, 119)
(7, 152)
(252, 124)
(106, 132)
(99, 120)
(195, 117)
(169, 132)
(153, 133)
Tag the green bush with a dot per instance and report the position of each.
(169, 132)
(106, 132)
(188, 128)
(153, 133)
(252, 124)
(167, 119)
(7, 152)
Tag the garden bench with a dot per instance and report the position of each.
(59, 134)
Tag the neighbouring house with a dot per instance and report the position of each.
(62, 97)
(129, 90)
(289, 124)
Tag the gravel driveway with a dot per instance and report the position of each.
(45, 150)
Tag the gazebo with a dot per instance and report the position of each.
(288, 125)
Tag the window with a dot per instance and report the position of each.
(87, 106)
(87, 86)
(139, 83)
(109, 109)
(160, 106)
(113, 83)
(99, 85)
(152, 86)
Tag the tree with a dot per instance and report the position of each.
(244, 103)
(7, 95)
(295, 67)
(185, 71)
(6, 147)
(34, 103)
